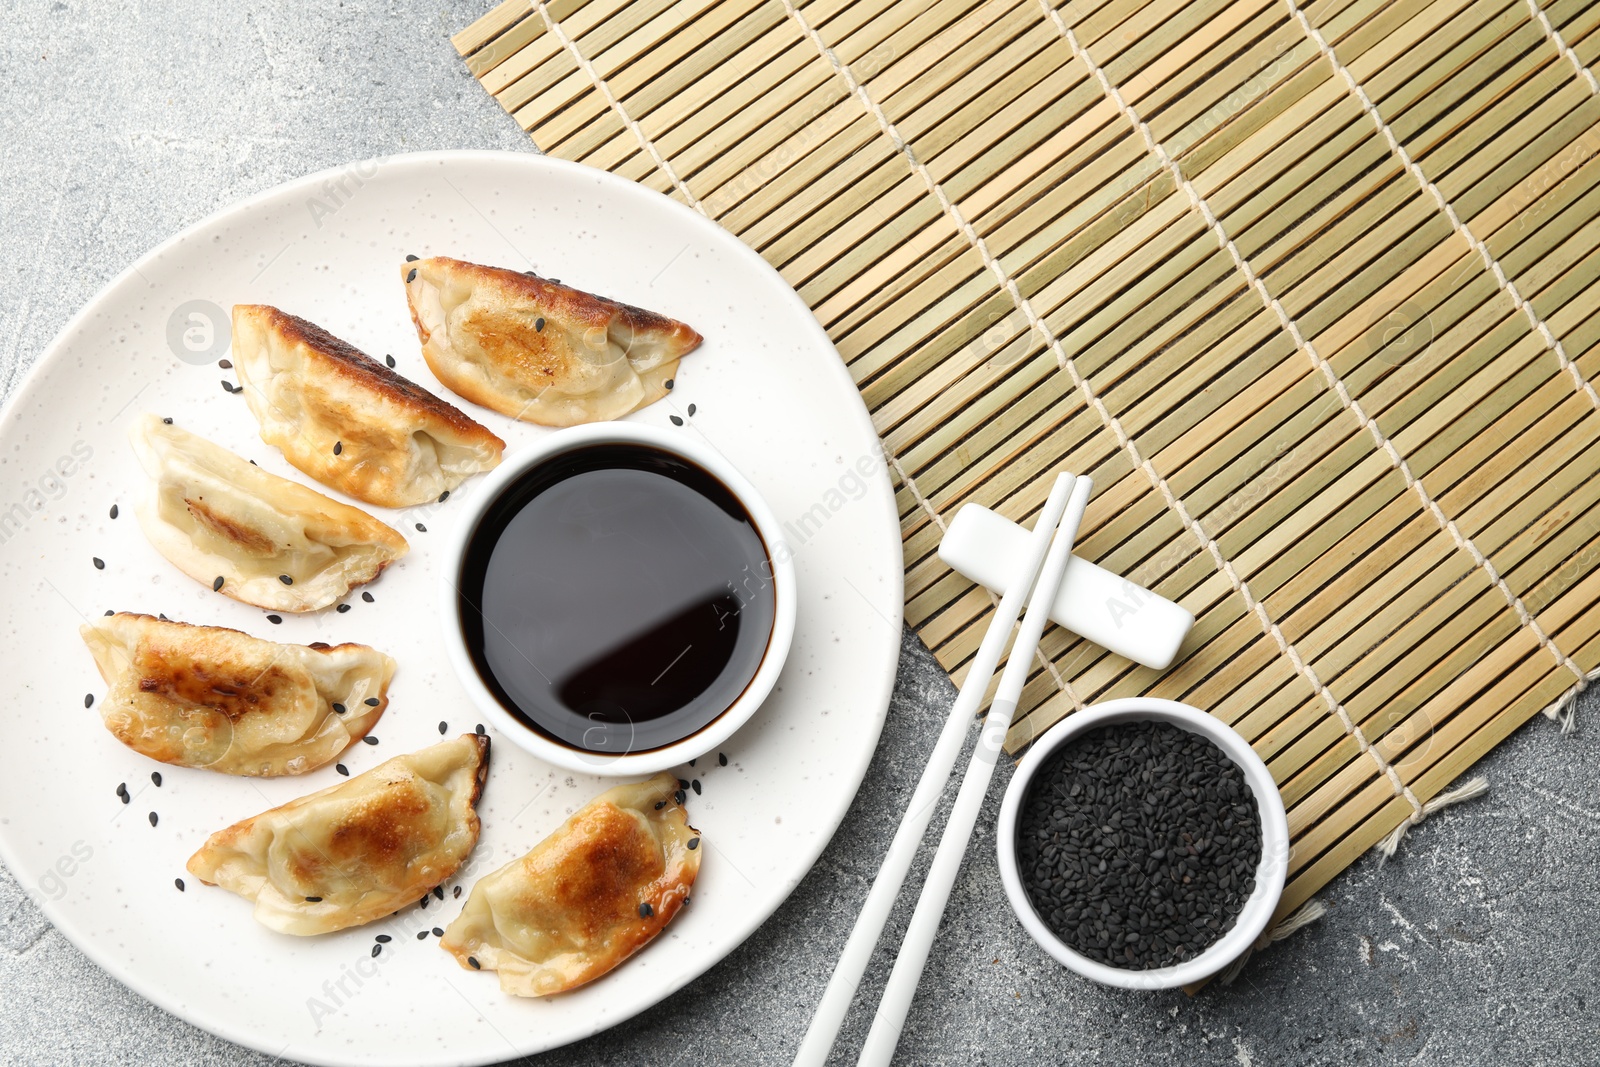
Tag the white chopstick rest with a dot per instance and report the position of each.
(1093, 603)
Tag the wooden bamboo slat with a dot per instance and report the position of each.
(1329, 354)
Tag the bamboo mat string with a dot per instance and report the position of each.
(1335, 383)
(853, 83)
(604, 89)
(1562, 47)
(1304, 669)
(1112, 423)
(1551, 341)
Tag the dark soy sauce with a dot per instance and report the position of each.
(617, 598)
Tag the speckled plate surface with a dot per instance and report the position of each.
(768, 390)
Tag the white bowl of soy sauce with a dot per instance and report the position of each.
(618, 599)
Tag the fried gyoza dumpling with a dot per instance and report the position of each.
(271, 542)
(349, 421)
(204, 696)
(359, 850)
(538, 350)
(587, 897)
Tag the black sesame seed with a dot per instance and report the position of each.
(216, 586)
(122, 789)
(456, 892)
(422, 935)
(166, 422)
(680, 796)
(372, 702)
(342, 608)
(369, 739)
(162, 617)
(383, 939)
(313, 900)
(342, 769)
(683, 783)
(438, 932)
(285, 579)
(675, 420)
(696, 785)
(443, 726)
(691, 763)
(225, 364)
(88, 700)
(109, 613)
(411, 259)
(155, 776)
(694, 843)
(179, 883)
(472, 961)
(645, 910)
(538, 325)
(114, 511)
(722, 759)
(412, 276)
(154, 818)
(339, 708)
(367, 597)
(444, 496)
(1137, 844)
(691, 409)
(99, 564)
(227, 386)
(555, 281)
(275, 619)
(376, 949)
(478, 729)
(421, 528)
(127, 798)
(438, 892)
(670, 384)
(389, 360)
(338, 447)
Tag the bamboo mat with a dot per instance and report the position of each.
(1306, 289)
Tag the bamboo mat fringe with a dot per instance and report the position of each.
(1305, 288)
(1473, 787)
(1308, 913)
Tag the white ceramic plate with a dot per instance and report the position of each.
(769, 391)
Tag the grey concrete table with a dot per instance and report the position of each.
(124, 122)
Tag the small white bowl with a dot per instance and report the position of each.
(1270, 873)
(719, 729)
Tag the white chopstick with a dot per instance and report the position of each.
(835, 1002)
(924, 926)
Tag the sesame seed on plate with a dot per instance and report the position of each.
(342, 608)
(342, 769)
(154, 818)
(421, 528)
(88, 700)
(383, 939)
(179, 883)
(99, 564)
(114, 511)
(675, 420)
(389, 360)
(367, 597)
(155, 776)
(472, 961)
(275, 619)
(376, 949)
(370, 740)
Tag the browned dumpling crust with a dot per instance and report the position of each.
(537, 350)
(359, 850)
(251, 535)
(587, 897)
(206, 696)
(349, 421)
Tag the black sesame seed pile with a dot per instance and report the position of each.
(1138, 844)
